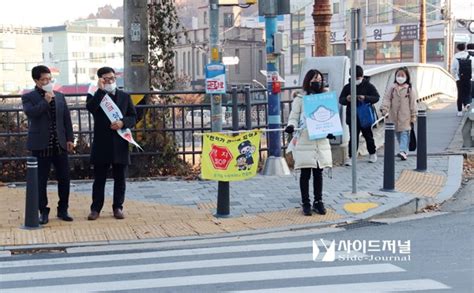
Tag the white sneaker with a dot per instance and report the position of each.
(348, 162)
(459, 114)
(373, 158)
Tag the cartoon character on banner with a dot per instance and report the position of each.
(246, 149)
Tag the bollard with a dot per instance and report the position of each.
(421, 148)
(31, 205)
(223, 187)
(389, 158)
(248, 108)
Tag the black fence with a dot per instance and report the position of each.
(173, 116)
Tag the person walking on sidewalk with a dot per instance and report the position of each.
(461, 69)
(311, 156)
(108, 147)
(366, 93)
(399, 102)
(470, 51)
(50, 138)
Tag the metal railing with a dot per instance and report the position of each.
(172, 114)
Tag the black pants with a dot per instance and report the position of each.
(369, 139)
(464, 93)
(100, 176)
(61, 166)
(317, 184)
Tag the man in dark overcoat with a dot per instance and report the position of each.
(108, 147)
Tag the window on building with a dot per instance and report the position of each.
(433, 11)
(406, 11)
(435, 50)
(205, 17)
(228, 19)
(184, 63)
(8, 43)
(297, 40)
(260, 60)
(335, 8)
(50, 39)
(198, 63)
(29, 66)
(9, 86)
(339, 50)
(190, 73)
(237, 66)
(388, 52)
(50, 55)
(204, 62)
(175, 63)
(8, 66)
(378, 11)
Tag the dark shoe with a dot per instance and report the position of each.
(118, 214)
(65, 216)
(319, 208)
(93, 216)
(307, 209)
(44, 216)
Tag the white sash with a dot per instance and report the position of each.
(113, 113)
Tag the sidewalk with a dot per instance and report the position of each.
(164, 209)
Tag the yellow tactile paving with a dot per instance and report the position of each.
(207, 205)
(359, 207)
(420, 183)
(143, 220)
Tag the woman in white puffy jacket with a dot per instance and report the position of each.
(311, 156)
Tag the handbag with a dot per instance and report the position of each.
(366, 114)
(412, 144)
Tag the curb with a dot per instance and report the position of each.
(403, 205)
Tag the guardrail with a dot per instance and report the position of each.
(177, 120)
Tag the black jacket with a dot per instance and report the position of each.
(364, 89)
(107, 146)
(37, 110)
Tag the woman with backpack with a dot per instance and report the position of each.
(399, 102)
(311, 156)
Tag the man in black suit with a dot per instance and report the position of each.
(108, 147)
(49, 138)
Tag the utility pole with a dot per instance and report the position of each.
(322, 27)
(356, 44)
(223, 196)
(422, 31)
(448, 32)
(136, 72)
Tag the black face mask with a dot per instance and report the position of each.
(315, 86)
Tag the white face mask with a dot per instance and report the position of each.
(358, 81)
(110, 87)
(48, 87)
(401, 79)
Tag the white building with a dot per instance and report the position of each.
(20, 51)
(79, 48)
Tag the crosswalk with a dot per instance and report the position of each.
(230, 267)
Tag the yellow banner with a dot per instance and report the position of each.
(230, 158)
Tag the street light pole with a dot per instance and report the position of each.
(423, 31)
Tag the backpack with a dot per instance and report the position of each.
(465, 68)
